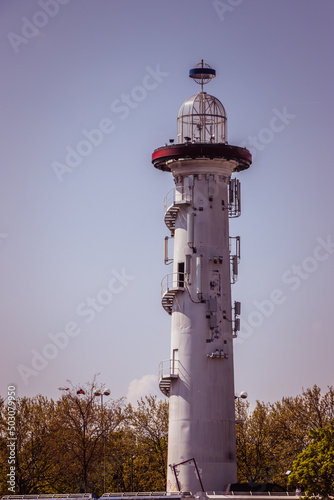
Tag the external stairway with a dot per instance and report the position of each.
(168, 371)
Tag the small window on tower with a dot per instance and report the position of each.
(180, 275)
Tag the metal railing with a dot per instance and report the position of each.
(172, 281)
(176, 196)
(168, 368)
(234, 198)
(48, 496)
(265, 493)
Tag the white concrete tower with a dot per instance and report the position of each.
(198, 377)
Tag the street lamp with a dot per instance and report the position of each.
(72, 397)
(101, 393)
(79, 391)
(242, 395)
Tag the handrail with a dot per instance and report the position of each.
(175, 196)
(172, 281)
(168, 367)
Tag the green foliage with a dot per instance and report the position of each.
(137, 453)
(76, 444)
(253, 442)
(59, 446)
(273, 435)
(150, 426)
(314, 467)
(81, 428)
(33, 464)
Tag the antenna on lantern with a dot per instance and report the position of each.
(202, 73)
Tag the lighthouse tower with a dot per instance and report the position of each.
(198, 378)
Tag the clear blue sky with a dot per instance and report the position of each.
(68, 232)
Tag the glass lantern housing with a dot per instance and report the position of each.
(201, 118)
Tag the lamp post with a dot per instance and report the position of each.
(101, 393)
(287, 474)
(132, 459)
(73, 397)
(242, 395)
